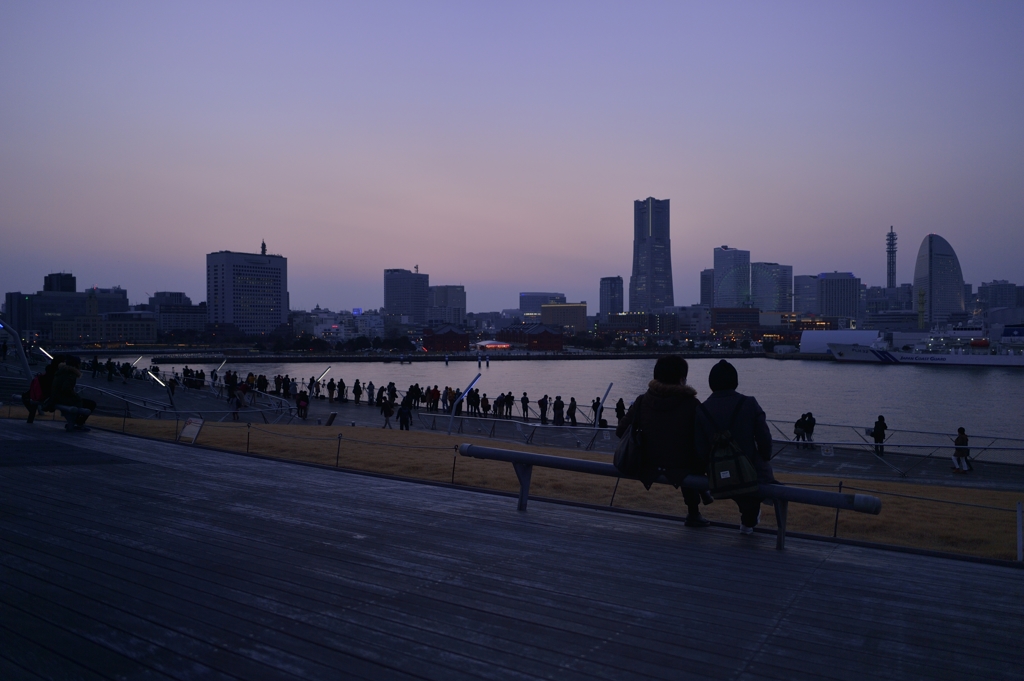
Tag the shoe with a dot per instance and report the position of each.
(706, 498)
(697, 521)
(746, 530)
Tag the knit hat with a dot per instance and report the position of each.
(723, 376)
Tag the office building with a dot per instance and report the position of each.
(732, 277)
(650, 285)
(572, 317)
(611, 296)
(771, 286)
(938, 282)
(839, 295)
(998, 293)
(247, 290)
(530, 301)
(59, 301)
(707, 288)
(174, 311)
(446, 305)
(407, 294)
(805, 294)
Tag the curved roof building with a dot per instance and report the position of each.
(938, 281)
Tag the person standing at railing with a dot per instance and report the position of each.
(558, 411)
(542, 407)
(620, 411)
(525, 402)
(571, 411)
(809, 423)
(878, 433)
(961, 453)
(331, 387)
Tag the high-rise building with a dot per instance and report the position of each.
(60, 282)
(530, 301)
(938, 281)
(406, 294)
(650, 285)
(771, 286)
(707, 288)
(446, 305)
(839, 295)
(998, 293)
(805, 294)
(611, 296)
(247, 290)
(571, 317)
(732, 277)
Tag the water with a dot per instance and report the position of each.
(983, 400)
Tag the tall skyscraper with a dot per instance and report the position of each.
(247, 290)
(446, 305)
(650, 285)
(732, 277)
(805, 294)
(707, 287)
(407, 294)
(771, 286)
(611, 296)
(890, 259)
(839, 295)
(938, 281)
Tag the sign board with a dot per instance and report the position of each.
(827, 450)
(191, 430)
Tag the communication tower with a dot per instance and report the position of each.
(890, 259)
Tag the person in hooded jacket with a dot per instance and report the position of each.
(748, 428)
(665, 415)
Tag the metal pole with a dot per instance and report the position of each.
(835, 526)
(454, 457)
(1020, 532)
(337, 458)
(248, 430)
(600, 409)
(460, 399)
(123, 420)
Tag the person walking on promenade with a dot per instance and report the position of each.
(357, 391)
(542, 407)
(743, 417)
(962, 453)
(331, 387)
(95, 365)
(558, 411)
(387, 408)
(404, 415)
(665, 415)
(571, 412)
(525, 401)
(878, 433)
(620, 411)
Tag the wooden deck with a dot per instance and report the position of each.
(123, 558)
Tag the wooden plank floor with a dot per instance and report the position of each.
(124, 558)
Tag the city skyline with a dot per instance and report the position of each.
(798, 132)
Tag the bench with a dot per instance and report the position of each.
(779, 495)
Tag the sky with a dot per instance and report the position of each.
(501, 145)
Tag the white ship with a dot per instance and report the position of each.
(958, 347)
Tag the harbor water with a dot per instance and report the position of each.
(940, 399)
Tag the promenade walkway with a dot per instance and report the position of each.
(126, 558)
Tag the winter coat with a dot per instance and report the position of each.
(62, 392)
(666, 419)
(749, 429)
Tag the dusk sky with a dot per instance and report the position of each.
(501, 145)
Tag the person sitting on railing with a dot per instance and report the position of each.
(665, 416)
(742, 417)
(64, 398)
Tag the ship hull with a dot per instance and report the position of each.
(866, 354)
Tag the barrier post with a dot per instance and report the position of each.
(835, 525)
(337, 457)
(1020, 532)
(248, 431)
(125, 418)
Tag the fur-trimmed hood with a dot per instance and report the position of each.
(669, 390)
(65, 369)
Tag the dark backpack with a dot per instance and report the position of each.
(629, 454)
(730, 471)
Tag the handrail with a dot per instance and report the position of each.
(898, 430)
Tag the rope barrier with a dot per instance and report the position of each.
(938, 501)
